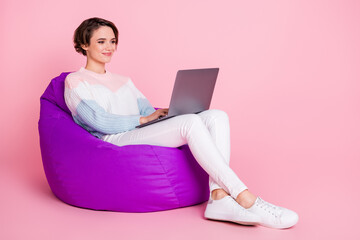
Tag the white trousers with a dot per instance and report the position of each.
(208, 137)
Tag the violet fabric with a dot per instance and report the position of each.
(87, 172)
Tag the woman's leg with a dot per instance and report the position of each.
(178, 131)
(217, 123)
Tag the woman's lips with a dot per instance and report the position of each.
(107, 54)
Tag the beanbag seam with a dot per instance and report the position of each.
(167, 176)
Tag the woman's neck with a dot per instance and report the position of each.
(98, 67)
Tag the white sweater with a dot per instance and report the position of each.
(104, 103)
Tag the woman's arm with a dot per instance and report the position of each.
(144, 105)
(90, 115)
(94, 116)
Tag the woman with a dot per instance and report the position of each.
(109, 106)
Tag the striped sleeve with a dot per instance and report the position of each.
(145, 107)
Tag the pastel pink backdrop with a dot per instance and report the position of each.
(289, 80)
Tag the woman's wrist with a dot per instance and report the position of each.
(143, 120)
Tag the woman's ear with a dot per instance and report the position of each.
(85, 47)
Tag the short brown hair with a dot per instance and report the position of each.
(84, 32)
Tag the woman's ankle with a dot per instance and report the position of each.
(246, 199)
(218, 194)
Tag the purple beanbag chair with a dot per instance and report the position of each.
(87, 172)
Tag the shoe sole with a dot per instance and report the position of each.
(224, 219)
(284, 226)
(237, 222)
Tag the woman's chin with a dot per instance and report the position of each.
(107, 60)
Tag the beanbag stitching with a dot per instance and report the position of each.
(166, 173)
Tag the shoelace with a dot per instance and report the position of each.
(270, 208)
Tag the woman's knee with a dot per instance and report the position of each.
(189, 120)
(216, 114)
(220, 113)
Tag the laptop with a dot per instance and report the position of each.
(192, 93)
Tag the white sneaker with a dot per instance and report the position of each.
(227, 209)
(273, 216)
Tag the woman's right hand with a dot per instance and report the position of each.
(158, 113)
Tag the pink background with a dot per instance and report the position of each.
(289, 80)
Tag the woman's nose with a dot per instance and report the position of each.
(109, 46)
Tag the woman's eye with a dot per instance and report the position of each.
(101, 42)
(113, 42)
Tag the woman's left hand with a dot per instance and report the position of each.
(157, 114)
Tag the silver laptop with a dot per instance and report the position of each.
(192, 93)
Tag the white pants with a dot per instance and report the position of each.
(208, 137)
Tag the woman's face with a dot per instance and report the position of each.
(102, 45)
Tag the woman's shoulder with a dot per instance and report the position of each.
(79, 74)
(73, 79)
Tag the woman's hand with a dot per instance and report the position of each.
(158, 113)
